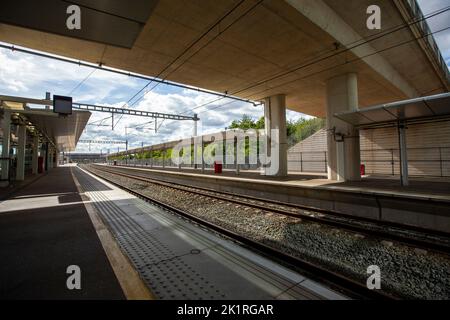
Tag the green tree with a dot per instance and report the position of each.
(296, 130)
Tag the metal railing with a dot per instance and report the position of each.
(308, 161)
(425, 161)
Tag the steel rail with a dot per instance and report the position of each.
(350, 224)
(346, 284)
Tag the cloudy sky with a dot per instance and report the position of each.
(32, 76)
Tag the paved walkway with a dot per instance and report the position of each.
(44, 228)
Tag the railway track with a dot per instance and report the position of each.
(341, 282)
(410, 236)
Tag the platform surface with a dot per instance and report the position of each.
(179, 260)
(420, 187)
(44, 228)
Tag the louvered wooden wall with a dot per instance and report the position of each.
(428, 150)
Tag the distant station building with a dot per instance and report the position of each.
(86, 158)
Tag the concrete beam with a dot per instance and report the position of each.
(328, 20)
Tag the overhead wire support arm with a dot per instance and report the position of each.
(102, 141)
(131, 112)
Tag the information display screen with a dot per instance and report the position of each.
(62, 105)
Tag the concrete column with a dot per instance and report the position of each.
(203, 155)
(56, 159)
(151, 157)
(49, 158)
(21, 144)
(35, 155)
(275, 118)
(52, 155)
(195, 142)
(6, 144)
(403, 154)
(343, 153)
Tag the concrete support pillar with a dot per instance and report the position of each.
(403, 154)
(6, 144)
(52, 156)
(203, 154)
(343, 153)
(275, 118)
(21, 144)
(49, 157)
(151, 157)
(45, 155)
(35, 155)
(56, 159)
(195, 143)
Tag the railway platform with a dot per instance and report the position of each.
(44, 229)
(424, 204)
(126, 248)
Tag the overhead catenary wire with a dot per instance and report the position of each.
(181, 54)
(317, 60)
(372, 38)
(134, 75)
(206, 44)
(102, 67)
(367, 39)
(347, 62)
(339, 65)
(81, 82)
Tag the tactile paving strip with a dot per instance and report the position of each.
(165, 272)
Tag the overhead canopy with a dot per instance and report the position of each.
(63, 131)
(251, 49)
(423, 108)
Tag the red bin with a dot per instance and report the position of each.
(362, 169)
(217, 167)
